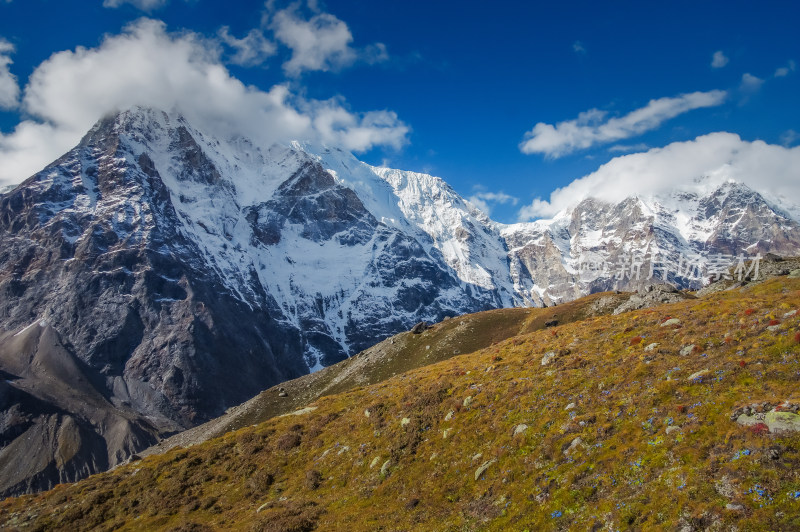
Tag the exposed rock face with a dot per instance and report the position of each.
(56, 425)
(165, 275)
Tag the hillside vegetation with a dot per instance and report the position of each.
(682, 416)
(396, 355)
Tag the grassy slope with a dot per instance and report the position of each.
(396, 355)
(627, 472)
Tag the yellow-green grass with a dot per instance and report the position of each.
(335, 468)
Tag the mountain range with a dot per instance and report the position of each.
(156, 275)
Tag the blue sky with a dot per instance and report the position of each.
(507, 101)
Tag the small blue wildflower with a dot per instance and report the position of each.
(739, 454)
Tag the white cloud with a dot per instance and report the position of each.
(146, 65)
(144, 5)
(9, 88)
(251, 50)
(719, 59)
(628, 148)
(591, 127)
(322, 42)
(789, 137)
(337, 126)
(750, 84)
(694, 165)
(578, 47)
(484, 200)
(782, 72)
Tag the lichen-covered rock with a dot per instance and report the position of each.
(577, 442)
(385, 468)
(484, 466)
(774, 419)
(301, 411)
(782, 421)
(419, 328)
(699, 376)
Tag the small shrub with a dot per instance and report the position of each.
(191, 527)
(313, 479)
(259, 483)
(292, 517)
(208, 502)
(636, 340)
(288, 441)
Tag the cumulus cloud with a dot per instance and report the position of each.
(144, 5)
(145, 65)
(784, 71)
(592, 127)
(485, 200)
(719, 59)
(336, 126)
(251, 50)
(750, 84)
(578, 47)
(9, 88)
(695, 165)
(321, 42)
